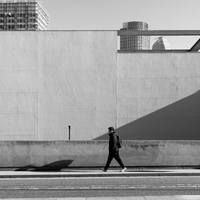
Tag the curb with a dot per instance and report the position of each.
(100, 174)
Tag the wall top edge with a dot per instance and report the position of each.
(98, 141)
(130, 32)
(60, 31)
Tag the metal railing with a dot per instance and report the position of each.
(194, 48)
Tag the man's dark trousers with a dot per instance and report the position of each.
(111, 155)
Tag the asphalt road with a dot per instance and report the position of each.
(98, 187)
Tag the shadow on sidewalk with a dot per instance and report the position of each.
(54, 166)
(197, 167)
(64, 166)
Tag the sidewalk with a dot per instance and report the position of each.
(110, 173)
(98, 173)
(180, 197)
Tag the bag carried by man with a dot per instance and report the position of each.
(119, 142)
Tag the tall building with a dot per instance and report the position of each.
(23, 16)
(161, 44)
(135, 42)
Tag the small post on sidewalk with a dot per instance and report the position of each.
(69, 132)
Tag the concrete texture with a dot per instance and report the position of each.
(61, 154)
(50, 80)
(157, 96)
(178, 197)
(55, 79)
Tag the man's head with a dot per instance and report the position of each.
(111, 129)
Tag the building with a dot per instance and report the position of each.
(134, 42)
(22, 16)
(161, 44)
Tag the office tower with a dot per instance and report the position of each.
(22, 16)
(134, 42)
(161, 44)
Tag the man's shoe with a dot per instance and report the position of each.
(104, 170)
(123, 170)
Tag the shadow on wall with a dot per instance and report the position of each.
(54, 166)
(178, 121)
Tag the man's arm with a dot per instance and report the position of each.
(115, 148)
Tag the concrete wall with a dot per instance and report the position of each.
(54, 79)
(61, 154)
(158, 96)
(50, 80)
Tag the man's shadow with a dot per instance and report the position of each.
(54, 166)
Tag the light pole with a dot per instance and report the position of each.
(69, 132)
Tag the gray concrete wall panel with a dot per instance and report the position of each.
(157, 96)
(77, 84)
(54, 79)
(42, 155)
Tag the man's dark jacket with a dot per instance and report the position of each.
(113, 142)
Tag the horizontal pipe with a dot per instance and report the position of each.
(159, 32)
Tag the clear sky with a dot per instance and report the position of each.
(110, 15)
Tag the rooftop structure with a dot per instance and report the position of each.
(22, 15)
(194, 48)
(134, 42)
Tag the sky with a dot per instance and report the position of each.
(111, 14)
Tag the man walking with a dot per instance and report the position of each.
(113, 150)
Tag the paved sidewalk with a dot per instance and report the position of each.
(109, 173)
(187, 197)
(98, 173)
